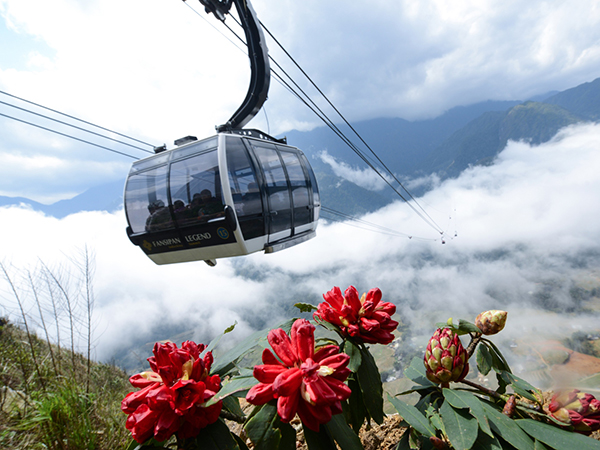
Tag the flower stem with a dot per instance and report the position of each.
(504, 397)
(475, 338)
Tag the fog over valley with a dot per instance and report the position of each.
(521, 234)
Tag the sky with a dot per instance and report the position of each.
(520, 230)
(157, 71)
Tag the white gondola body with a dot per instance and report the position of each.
(264, 197)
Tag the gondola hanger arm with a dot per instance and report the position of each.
(258, 54)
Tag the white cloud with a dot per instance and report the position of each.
(526, 228)
(366, 178)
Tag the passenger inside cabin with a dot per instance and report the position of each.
(210, 205)
(159, 218)
(178, 206)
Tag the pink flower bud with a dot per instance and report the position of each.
(445, 358)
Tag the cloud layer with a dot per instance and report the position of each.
(521, 235)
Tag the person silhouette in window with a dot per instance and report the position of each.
(210, 205)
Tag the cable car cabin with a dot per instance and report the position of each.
(228, 195)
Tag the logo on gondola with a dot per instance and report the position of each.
(147, 245)
(197, 237)
(223, 233)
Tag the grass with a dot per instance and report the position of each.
(49, 400)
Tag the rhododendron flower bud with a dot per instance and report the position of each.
(491, 322)
(577, 409)
(172, 394)
(445, 358)
(366, 319)
(303, 381)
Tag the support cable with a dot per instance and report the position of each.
(378, 228)
(349, 125)
(69, 136)
(75, 118)
(75, 126)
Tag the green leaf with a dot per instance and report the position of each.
(463, 399)
(507, 429)
(232, 404)
(212, 344)
(371, 387)
(413, 417)
(305, 307)
(435, 418)
(319, 441)
(223, 364)
(343, 434)
(537, 445)
(353, 351)
(461, 427)
(354, 408)
(499, 362)
(416, 372)
(230, 328)
(240, 442)
(484, 359)
(261, 430)
(233, 385)
(329, 326)
(485, 442)
(215, 437)
(465, 327)
(133, 445)
(556, 438)
(433, 398)
(404, 443)
(288, 436)
(520, 386)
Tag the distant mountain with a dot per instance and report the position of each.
(106, 197)
(483, 138)
(446, 145)
(401, 144)
(583, 100)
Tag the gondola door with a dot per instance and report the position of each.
(279, 207)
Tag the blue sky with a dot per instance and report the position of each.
(158, 71)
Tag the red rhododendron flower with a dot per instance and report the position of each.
(578, 409)
(172, 394)
(366, 318)
(304, 382)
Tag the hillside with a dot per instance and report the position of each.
(461, 137)
(53, 398)
(583, 100)
(483, 138)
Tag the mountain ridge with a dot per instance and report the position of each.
(446, 145)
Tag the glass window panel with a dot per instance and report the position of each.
(196, 189)
(197, 147)
(313, 185)
(151, 161)
(298, 182)
(277, 187)
(244, 189)
(146, 201)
